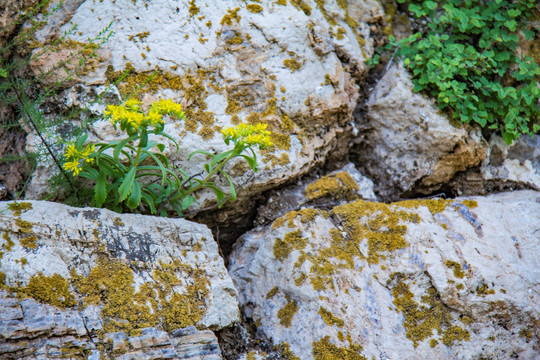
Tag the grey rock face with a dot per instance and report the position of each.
(291, 66)
(109, 275)
(412, 147)
(328, 191)
(433, 279)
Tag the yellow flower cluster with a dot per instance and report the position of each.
(131, 116)
(249, 135)
(74, 156)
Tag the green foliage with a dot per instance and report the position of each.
(133, 174)
(26, 94)
(467, 59)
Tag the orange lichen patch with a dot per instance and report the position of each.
(339, 186)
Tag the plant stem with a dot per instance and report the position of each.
(31, 121)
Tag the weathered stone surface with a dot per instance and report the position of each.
(518, 162)
(333, 189)
(128, 271)
(411, 147)
(292, 66)
(435, 279)
(46, 332)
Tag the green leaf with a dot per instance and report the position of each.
(161, 147)
(125, 188)
(135, 197)
(187, 201)
(431, 5)
(231, 185)
(251, 162)
(511, 25)
(100, 190)
(220, 157)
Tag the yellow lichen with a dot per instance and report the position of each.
(471, 204)
(339, 186)
(300, 279)
(325, 350)
(19, 207)
(526, 333)
(287, 312)
(455, 333)
(52, 290)
(301, 5)
(232, 15)
(254, 8)
(193, 9)
(457, 268)
(272, 293)
(9, 243)
(422, 320)
(287, 353)
(482, 290)
(329, 318)
(292, 64)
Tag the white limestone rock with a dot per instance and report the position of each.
(293, 66)
(411, 146)
(518, 162)
(434, 279)
(167, 267)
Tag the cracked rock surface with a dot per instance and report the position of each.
(438, 279)
(91, 282)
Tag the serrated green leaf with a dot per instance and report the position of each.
(100, 190)
(125, 188)
(135, 197)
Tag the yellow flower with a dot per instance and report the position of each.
(250, 135)
(167, 106)
(71, 152)
(154, 118)
(72, 166)
(132, 104)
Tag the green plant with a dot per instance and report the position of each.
(467, 58)
(131, 174)
(25, 93)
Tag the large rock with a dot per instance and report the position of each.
(292, 65)
(79, 276)
(422, 279)
(411, 147)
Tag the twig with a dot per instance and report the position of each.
(31, 121)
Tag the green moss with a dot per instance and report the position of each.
(340, 186)
(52, 290)
(272, 293)
(254, 8)
(458, 272)
(19, 207)
(292, 64)
(329, 318)
(287, 312)
(325, 350)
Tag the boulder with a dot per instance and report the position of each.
(335, 188)
(84, 279)
(410, 147)
(417, 279)
(292, 65)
